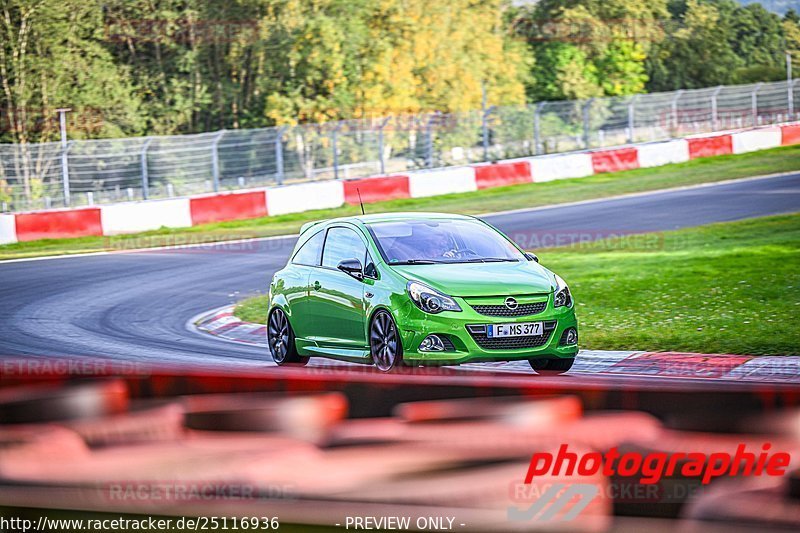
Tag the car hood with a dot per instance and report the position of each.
(481, 279)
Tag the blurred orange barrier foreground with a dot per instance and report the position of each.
(466, 463)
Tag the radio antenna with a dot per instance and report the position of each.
(359, 201)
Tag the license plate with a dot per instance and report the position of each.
(521, 329)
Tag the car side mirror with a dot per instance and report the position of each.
(531, 257)
(352, 267)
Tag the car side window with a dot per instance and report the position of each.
(310, 252)
(341, 244)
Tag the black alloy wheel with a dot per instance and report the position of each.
(384, 342)
(280, 338)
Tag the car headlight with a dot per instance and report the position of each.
(562, 297)
(430, 300)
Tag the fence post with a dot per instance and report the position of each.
(380, 144)
(485, 133)
(714, 107)
(537, 128)
(215, 159)
(279, 154)
(631, 116)
(675, 119)
(789, 84)
(335, 147)
(65, 146)
(145, 177)
(586, 134)
(429, 142)
(65, 171)
(754, 102)
(484, 126)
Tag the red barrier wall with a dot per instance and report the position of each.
(709, 146)
(221, 207)
(790, 134)
(376, 189)
(499, 174)
(615, 160)
(59, 224)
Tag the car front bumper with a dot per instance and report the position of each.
(414, 325)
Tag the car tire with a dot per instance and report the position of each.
(551, 367)
(280, 338)
(385, 347)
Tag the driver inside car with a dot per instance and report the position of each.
(437, 246)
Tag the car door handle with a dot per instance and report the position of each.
(317, 285)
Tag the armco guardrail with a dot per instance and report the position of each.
(133, 217)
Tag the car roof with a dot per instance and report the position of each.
(388, 217)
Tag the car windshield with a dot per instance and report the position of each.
(441, 241)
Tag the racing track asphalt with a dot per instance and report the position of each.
(135, 306)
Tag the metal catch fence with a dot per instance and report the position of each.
(76, 173)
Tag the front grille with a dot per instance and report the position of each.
(502, 310)
(478, 332)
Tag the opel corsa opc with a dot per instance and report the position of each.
(418, 289)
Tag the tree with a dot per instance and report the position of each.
(398, 56)
(590, 47)
(312, 60)
(51, 56)
(697, 53)
(563, 72)
(757, 37)
(791, 31)
(623, 68)
(717, 42)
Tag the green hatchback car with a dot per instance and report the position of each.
(418, 289)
